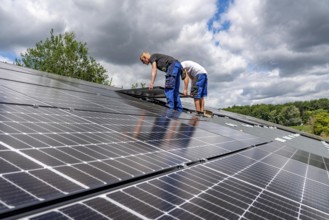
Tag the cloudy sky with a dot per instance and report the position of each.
(255, 51)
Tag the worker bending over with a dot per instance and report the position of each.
(199, 83)
(173, 69)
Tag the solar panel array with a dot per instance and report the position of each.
(79, 150)
(268, 182)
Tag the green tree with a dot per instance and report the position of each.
(273, 116)
(62, 54)
(261, 111)
(319, 121)
(289, 116)
(321, 124)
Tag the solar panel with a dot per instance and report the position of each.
(91, 151)
(78, 150)
(156, 92)
(233, 187)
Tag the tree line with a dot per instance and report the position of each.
(312, 114)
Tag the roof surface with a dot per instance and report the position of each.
(70, 149)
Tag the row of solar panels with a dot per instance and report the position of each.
(78, 150)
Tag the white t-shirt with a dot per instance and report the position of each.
(193, 68)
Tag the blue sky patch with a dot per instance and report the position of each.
(222, 6)
(9, 55)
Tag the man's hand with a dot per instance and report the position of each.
(151, 86)
(185, 92)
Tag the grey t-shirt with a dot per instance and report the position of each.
(162, 61)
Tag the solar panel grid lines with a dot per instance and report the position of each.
(123, 207)
(310, 213)
(8, 96)
(264, 188)
(317, 161)
(303, 191)
(209, 194)
(256, 185)
(39, 188)
(8, 192)
(45, 149)
(14, 184)
(319, 175)
(143, 201)
(304, 185)
(42, 164)
(316, 195)
(222, 197)
(270, 199)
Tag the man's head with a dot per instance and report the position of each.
(145, 57)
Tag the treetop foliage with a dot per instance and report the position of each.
(62, 54)
(314, 113)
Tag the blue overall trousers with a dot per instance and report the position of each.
(172, 86)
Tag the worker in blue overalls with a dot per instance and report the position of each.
(173, 69)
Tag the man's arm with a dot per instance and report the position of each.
(153, 75)
(185, 83)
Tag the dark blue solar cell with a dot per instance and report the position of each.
(181, 184)
(136, 205)
(183, 214)
(6, 167)
(80, 211)
(258, 174)
(34, 186)
(109, 209)
(80, 176)
(56, 180)
(318, 163)
(98, 173)
(275, 160)
(231, 164)
(176, 190)
(255, 153)
(51, 215)
(148, 198)
(161, 193)
(14, 196)
(197, 209)
(309, 213)
(316, 195)
(60, 155)
(47, 159)
(288, 185)
(14, 142)
(318, 174)
(296, 167)
(277, 205)
(19, 160)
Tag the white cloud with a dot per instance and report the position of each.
(5, 59)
